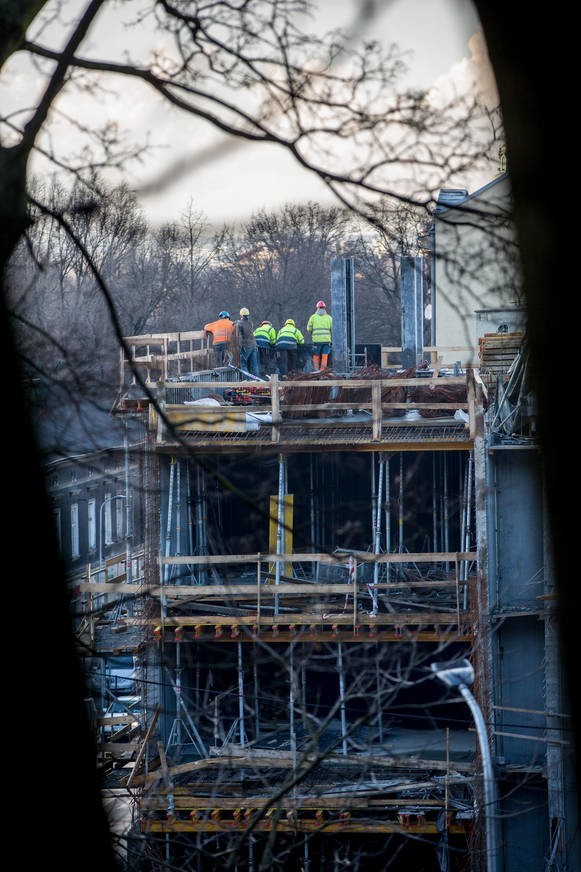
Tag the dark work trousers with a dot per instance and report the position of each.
(265, 355)
(287, 360)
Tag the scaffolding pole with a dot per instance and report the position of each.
(256, 705)
(189, 517)
(446, 510)
(312, 510)
(201, 543)
(128, 502)
(303, 681)
(178, 693)
(241, 697)
(378, 692)
(377, 541)
(400, 513)
(292, 694)
(168, 526)
(342, 698)
(168, 522)
(280, 523)
(373, 498)
(434, 506)
(189, 727)
(178, 550)
(468, 525)
(387, 517)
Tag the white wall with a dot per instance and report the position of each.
(477, 267)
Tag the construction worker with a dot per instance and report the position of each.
(221, 332)
(288, 339)
(265, 336)
(320, 326)
(247, 343)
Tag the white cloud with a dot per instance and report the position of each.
(471, 75)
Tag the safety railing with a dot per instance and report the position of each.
(288, 606)
(101, 587)
(358, 403)
(159, 356)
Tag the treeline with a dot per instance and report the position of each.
(90, 268)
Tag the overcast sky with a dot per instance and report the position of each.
(437, 34)
(440, 35)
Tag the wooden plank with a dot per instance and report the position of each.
(415, 619)
(114, 720)
(143, 748)
(353, 800)
(266, 825)
(107, 587)
(194, 592)
(151, 338)
(333, 559)
(119, 749)
(354, 384)
(331, 407)
(283, 760)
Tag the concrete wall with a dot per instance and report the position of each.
(531, 749)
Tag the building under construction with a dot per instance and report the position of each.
(337, 599)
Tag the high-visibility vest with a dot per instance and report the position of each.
(265, 335)
(320, 327)
(221, 330)
(289, 337)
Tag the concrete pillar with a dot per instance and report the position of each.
(412, 311)
(343, 313)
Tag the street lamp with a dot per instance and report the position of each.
(103, 504)
(459, 674)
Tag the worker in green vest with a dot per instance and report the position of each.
(320, 326)
(288, 339)
(265, 336)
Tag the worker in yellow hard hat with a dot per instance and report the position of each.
(320, 326)
(247, 343)
(288, 339)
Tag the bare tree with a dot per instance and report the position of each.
(278, 262)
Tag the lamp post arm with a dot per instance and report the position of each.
(490, 810)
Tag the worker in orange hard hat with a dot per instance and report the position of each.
(265, 336)
(320, 326)
(288, 339)
(247, 342)
(221, 331)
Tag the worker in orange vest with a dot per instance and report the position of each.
(221, 332)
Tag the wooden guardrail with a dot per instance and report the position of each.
(159, 356)
(199, 417)
(264, 590)
(162, 355)
(440, 355)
